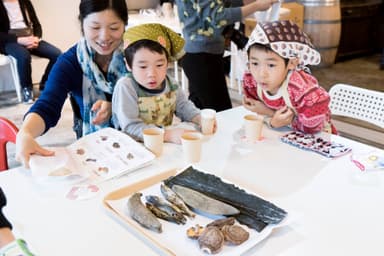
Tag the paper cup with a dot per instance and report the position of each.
(253, 125)
(208, 117)
(191, 143)
(154, 140)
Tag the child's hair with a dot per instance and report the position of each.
(266, 48)
(153, 46)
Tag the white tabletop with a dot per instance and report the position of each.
(336, 208)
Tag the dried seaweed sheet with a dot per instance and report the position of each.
(255, 211)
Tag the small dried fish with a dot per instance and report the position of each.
(162, 214)
(203, 203)
(173, 198)
(141, 214)
(166, 207)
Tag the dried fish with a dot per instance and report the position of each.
(203, 203)
(166, 207)
(162, 214)
(173, 198)
(211, 240)
(256, 211)
(141, 214)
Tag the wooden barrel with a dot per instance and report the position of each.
(322, 23)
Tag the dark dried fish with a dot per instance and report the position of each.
(256, 209)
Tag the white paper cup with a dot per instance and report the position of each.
(208, 117)
(191, 143)
(154, 140)
(253, 125)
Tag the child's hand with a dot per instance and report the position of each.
(282, 117)
(257, 106)
(250, 104)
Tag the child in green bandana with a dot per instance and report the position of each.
(148, 97)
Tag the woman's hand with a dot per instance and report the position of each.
(26, 146)
(30, 42)
(282, 117)
(103, 110)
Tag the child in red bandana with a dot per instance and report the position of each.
(279, 84)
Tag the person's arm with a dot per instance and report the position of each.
(26, 145)
(65, 77)
(312, 115)
(251, 6)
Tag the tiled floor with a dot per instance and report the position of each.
(362, 72)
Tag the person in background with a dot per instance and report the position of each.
(279, 85)
(21, 37)
(148, 97)
(9, 245)
(203, 23)
(88, 71)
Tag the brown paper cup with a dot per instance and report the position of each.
(154, 140)
(191, 143)
(253, 125)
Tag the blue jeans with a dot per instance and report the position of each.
(23, 57)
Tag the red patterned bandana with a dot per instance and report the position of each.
(287, 40)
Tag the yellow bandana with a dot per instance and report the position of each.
(172, 42)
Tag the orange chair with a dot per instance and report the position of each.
(8, 131)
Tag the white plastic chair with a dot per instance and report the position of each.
(358, 103)
(9, 60)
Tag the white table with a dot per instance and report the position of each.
(337, 210)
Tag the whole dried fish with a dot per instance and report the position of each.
(170, 209)
(141, 214)
(173, 198)
(162, 214)
(204, 203)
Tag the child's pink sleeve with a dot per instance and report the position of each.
(312, 111)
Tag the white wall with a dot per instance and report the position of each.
(60, 26)
(59, 21)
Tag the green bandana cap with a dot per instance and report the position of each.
(172, 42)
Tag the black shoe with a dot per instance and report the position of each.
(27, 94)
